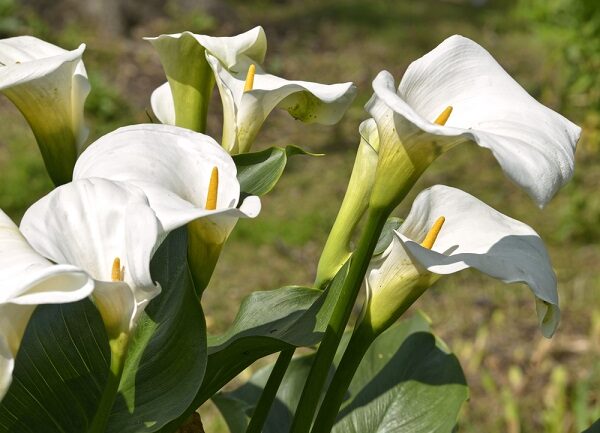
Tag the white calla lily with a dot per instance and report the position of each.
(107, 229)
(473, 235)
(459, 93)
(28, 280)
(246, 107)
(49, 86)
(174, 167)
(248, 93)
(183, 99)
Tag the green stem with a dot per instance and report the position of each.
(118, 349)
(259, 416)
(309, 400)
(359, 343)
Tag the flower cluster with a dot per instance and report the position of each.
(118, 198)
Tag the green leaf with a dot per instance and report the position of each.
(60, 371)
(63, 363)
(406, 382)
(237, 406)
(267, 322)
(387, 234)
(167, 358)
(259, 172)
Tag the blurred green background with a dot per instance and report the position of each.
(520, 382)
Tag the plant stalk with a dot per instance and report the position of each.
(359, 343)
(261, 411)
(315, 382)
(118, 350)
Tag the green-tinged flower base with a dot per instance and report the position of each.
(190, 78)
(55, 138)
(205, 241)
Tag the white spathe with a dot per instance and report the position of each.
(534, 145)
(49, 86)
(174, 48)
(173, 167)
(473, 235)
(28, 280)
(90, 222)
(245, 111)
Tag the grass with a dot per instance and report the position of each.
(520, 382)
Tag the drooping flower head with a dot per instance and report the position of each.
(458, 93)
(446, 231)
(49, 86)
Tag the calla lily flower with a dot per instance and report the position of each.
(337, 249)
(458, 93)
(187, 177)
(49, 86)
(472, 235)
(28, 280)
(107, 229)
(183, 99)
(248, 93)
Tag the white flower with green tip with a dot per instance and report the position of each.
(107, 229)
(187, 176)
(458, 93)
(28, 280)
(446, 231)
(248, 93)
(49, 86)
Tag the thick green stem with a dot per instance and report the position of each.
(259, 416)
(359, 343)
(118, 350)
(309, 400)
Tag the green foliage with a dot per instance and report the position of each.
(167, 358)
(405, 383)
(60, 371)
(259, 172)
(62, 365)
(387, 234)
(267, 322)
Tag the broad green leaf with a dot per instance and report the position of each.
(259, 172)
(60, 371)
(167, 357)
(406, 383)
(267, 322)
